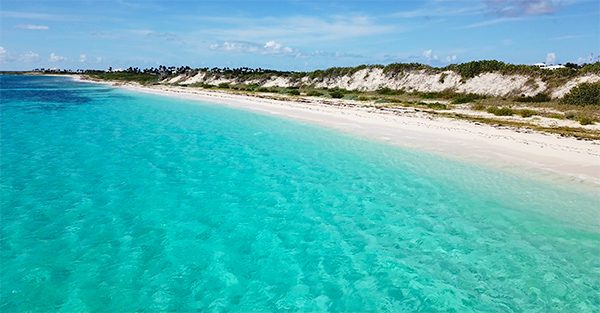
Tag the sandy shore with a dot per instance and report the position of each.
(506, 147)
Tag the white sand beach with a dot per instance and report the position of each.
(506, 148)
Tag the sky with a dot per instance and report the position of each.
(293, 35)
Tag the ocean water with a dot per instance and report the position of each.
(118, 201)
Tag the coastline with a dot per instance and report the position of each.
(508, 148)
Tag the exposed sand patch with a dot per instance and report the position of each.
(370, 79)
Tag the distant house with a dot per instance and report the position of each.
(543, 65)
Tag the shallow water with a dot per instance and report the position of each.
(118, 201)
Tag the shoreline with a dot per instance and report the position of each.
(508, 147)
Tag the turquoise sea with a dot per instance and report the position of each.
(117, 201)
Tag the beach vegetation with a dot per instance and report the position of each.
(464, 99)
(504, 111)
(443, 78)
(293, 92)
(437, 106)
(336, 94)
(585, 121)
(586, 94)
(314, 93)
(527, 113)
(540, 97)
(479, 107)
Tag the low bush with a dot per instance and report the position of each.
(501, 111)
(224, 85)
(437, 106)
(478, 107)
(527, 113)
(585, 121)
(382, 101)
(336, 94)
(465, 99)
(314, 93)
(540, 97)
(586, 94)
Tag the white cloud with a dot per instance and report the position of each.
(522, 7)
(491, 22)
(82, 58)
(29, 57)
(451, 59)
(273, 48)
(551, 58)
(269, 48)
(56, 58)
(302, 28)
(427, 54)
(33, 27)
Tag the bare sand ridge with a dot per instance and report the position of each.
(508, 147)
(370, 79)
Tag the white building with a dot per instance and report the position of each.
(548, 67)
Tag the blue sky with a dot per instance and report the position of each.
(293, 35)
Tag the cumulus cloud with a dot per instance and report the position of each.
(551, 58)
(512, 8)
(82, 58)
(29, 57)
(269, 48)
(275, 48)
(428, 55)
(451, 59)
(56, 58)
(33, 27)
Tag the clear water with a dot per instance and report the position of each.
(118, 201)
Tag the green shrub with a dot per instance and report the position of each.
(585, 121)
(501, 111)
(293, 92)
(586, 94)
(314, 93)
(207, 86)
(443, 78)
(527, 113)
(263, 89)
(465, 99)
(386, 91)
(478, 107)
(350, 97)
(336, 94)
(430, 95)
(569, 115)
(363, 98)
(437, 106)
(382, 101)
(540, 97)
(224, 85)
